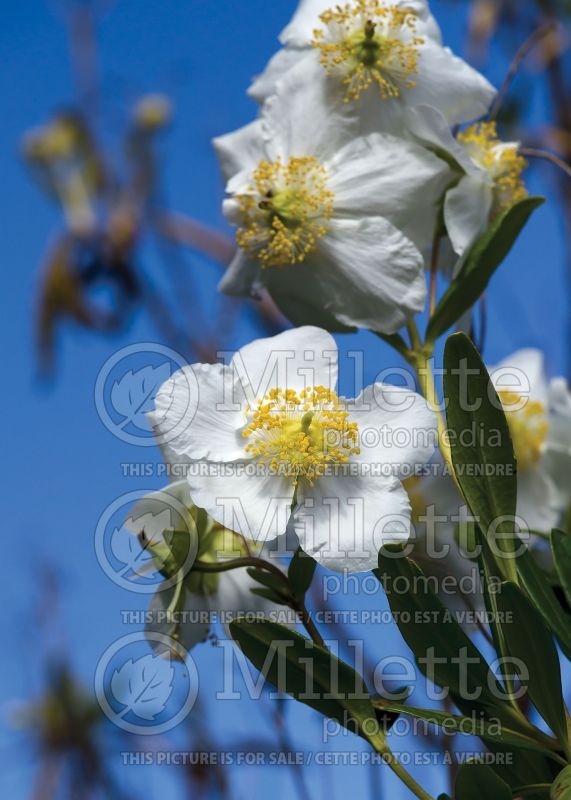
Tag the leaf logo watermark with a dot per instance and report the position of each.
(118, 547)
(146, 693)
(126, 387)
(144, 686)
(132, 396)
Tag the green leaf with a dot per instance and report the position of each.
(428, 627)
(486, 564)
(481, 445)
(300, 572)
(267, 579)
(469, 726)
(475, 781)
(537, 585)
(311, 674)
(271, 595)
(479, 265)
(530, 641)
(561, 788)
(561, 547)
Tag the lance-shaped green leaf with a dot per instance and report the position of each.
(469, 726)
(561, 788)
(529, 641)
(484, 257)
(300, 572)
(481, 446)
(488, 572)
(536, 584)
(561, 547)
(475, 781)
(311, 674)
(442, 650)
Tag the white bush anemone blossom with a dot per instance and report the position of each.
(538, 413)
(385, 55)
(271, 445)
(330, 222)
(539, 417)
(489, 173)
(201, 597)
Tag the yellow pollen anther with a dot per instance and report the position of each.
(501, 161)
(285, 211)
(528, 426)
(301, 434)
(368, 42)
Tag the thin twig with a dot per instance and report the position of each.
(187, 231)
(519, 57)
(532, 152)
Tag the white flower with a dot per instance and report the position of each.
(271, 443)
(539, 418)
(440, 516)
(203, 596)
(490, 173)
(387, 55)
(329, 222)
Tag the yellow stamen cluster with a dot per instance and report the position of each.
(285, 211)
(368, 42)
(528, 426)
(500, 160)
(301, 434)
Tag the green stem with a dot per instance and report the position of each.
(419, 358)
(236, 563)
(405, 776)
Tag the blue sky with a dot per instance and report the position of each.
(62, 467)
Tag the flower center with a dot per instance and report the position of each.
(528, 427)
(285, 211)
(367, 43)
(500, 160)
(301, 434)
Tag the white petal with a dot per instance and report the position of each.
(295, 359)
(241, 277)
(264, 85)
(380, 175)
(307, 115)
(560, 398)
(365, 272)
(429, 126)
(299, 31)
(557, 454)
(522, 373)
(467, 212)
(447, 83)
(199, 413)
(195, 624)
(242, 497)
(537, 499)
(343, 521)
(397, 429)
(167, 508)
(240, 150)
